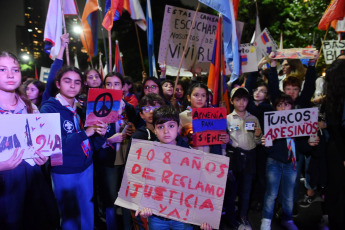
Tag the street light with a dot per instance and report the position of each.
(77, 29)
(25, 57)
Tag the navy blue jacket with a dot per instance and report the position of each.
(74, 159)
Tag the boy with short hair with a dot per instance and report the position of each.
(245, 134)
(166, 122)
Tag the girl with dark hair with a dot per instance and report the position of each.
(168, 89)
(197, 96)
(34, 90)
(72, 181)
(26, 200)
(93, 79)
(128, 92)
(152, 85)
(335, 117)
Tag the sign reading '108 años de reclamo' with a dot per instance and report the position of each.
(178, 183)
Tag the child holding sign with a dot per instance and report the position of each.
(281, 171)
(23, 190)
(197, 96)
(166, 126)
(245, 134)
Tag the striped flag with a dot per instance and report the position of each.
(229, 32)
(113, 11)
(89, 37)
(118, 67)
(53, 26)
(335, 11)
(216, 75)
(150, 47)
(100, 66)
(133, 7)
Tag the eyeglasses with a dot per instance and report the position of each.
(150, 87)
(148, 109)
(259, 91)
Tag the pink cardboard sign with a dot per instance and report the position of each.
(290, 123)
(178, 183)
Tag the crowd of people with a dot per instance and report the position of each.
(81, 192)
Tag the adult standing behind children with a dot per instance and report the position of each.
(26, 200)
(335, 117)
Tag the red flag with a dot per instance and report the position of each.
(334, 11)
(118, 60)
(89, 37)
(216, 75)
(36, 75)
(100, 67)
(115, 11)
(235, 4)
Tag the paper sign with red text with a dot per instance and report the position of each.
(208, 125)
(30, 133)
(290, 123)
(103, 105)
(178, 183)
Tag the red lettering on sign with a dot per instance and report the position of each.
(196, 162)
(222, 170)
(166, 174)
(174, 213)
(148, 193)
(150, 156)
(162, 208)
(185, 160)
(209, 189)
(282, 134)
(159, 193)
(136, 169)
(139, 153)
(186, 201)
(199, 185)
(175, 179)
(146, 174)
(172, 192)
(208, 167)
(207, 204)
(137, 186)
(220, 191)
(127, 189)
(182, 182)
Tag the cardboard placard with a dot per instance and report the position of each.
(248, 58)
(30, 133)
(103, 105)
(265, 43)
(295, 53)
(208, 125)
(290, 123)
(332, 49)
(178, 183)
(175, 28)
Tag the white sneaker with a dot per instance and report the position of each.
(265, 224)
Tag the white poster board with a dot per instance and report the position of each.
(30, 133)
(44, 74)
(175, 28)
(332, 49)
(248, 58)
(290, 123)
(265, 43)
(178, 183)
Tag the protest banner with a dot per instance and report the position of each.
(178, 183)
(103, 105)
(248, 58)
(290, 123)
(332, 49)
(265, 43)
(176, 24)
(208, 125)
(30, 133)
(295, 53)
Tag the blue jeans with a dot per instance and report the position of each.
(160, 223)
(278, 173)
(74, 193)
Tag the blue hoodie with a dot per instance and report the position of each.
(74, 158)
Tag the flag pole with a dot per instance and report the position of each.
(110, 57)
(64, 30)
(82, 28)
(141, 54)
(221, 61)
(185, 47)
(323, 41)
(103, 36)
(118, 47)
